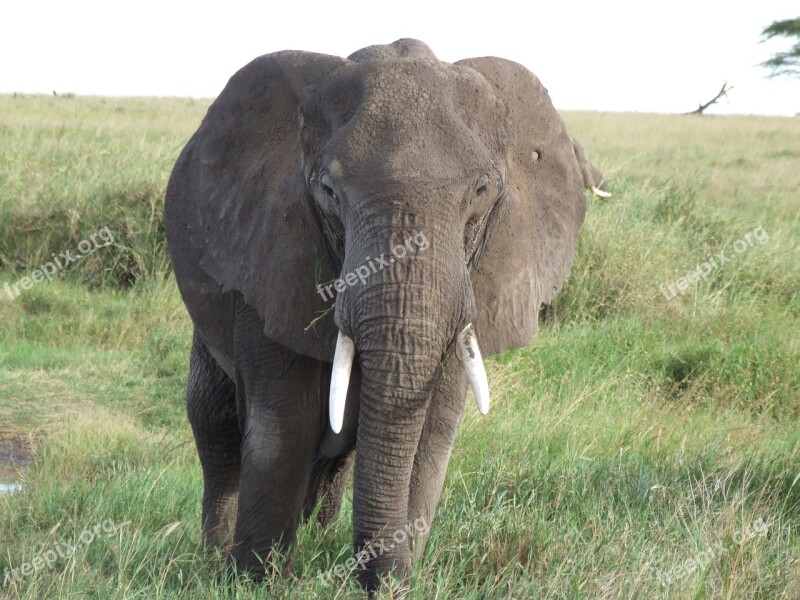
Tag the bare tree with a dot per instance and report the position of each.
(722, 92)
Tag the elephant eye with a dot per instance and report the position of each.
(327, 186)
(481, 185)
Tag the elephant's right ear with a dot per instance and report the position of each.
(532, 239)
(240, 187)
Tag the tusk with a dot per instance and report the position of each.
(470, 355)
(600, 193)
(340, 380)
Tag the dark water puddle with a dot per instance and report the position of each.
(15, 458)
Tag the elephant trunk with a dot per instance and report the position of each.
(400, 357)
(402, 321)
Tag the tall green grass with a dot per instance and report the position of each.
(634, 434)
(71, 166)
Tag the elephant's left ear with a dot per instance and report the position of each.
(532, 240)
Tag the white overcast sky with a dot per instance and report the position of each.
(612, 55)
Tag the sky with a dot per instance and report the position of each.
(606, 56)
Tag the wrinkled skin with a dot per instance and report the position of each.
(305, 167)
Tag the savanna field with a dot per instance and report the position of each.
(644, 445)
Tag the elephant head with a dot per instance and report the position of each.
(395, 211)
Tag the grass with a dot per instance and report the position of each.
(639, 448)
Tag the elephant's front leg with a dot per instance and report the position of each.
(280, 410)
(211, 406)
(433, 453)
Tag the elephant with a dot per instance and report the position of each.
(321, 349)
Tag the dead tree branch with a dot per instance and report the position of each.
(722, 92)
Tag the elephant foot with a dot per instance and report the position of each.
(248, 563)
(219, 522)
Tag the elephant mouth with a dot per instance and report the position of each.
(466, 347)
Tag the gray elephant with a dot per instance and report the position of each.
(350, 236)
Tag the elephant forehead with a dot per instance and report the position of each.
(401, 93)
(423, 119)
(429, 149)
